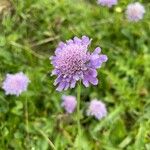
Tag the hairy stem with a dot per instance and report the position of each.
(27, 121)
(78, 108)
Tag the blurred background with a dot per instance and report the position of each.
(30, 30)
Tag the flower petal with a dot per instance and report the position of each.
(61, 86)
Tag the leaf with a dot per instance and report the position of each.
(82, 143)
(18, 108)
(125, 142)
(139, 143)
(117, 132)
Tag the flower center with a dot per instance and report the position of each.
(15, 84)
(72, 59)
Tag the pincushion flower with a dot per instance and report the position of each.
(72, 62)
(97, 109)
(69, 103)
(15, 84)
(135, 12)
(108, 3)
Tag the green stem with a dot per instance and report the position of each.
(48, 140)
(27, 121)
(78, 108)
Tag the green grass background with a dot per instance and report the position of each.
(29, 34)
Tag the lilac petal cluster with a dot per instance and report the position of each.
(135, 12)
(15, 84)
(108, 3)
(97, 109)
(69, 103)
(72, 62)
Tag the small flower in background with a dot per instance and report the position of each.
(72, 62)
(69, 103)
(118, 9)
(108, 3)
(135, 11)
(97, 109)
(15, 84)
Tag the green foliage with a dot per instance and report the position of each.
(30, 34)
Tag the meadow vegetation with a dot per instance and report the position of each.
(30, 31)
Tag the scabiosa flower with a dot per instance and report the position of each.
(73, 62)
(15, 84)
(108, 3)
(69, 103)
(135, 11)
(97, 109)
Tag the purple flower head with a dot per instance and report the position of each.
(69, 103)
(72, 62)
(97, 109)
(15, 84)
(135, 12)
(108, 3)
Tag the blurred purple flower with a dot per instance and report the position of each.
(69, 103)
(15, 84)
(72, 62)
(97, 109)
(108, 3)
(135, 11)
